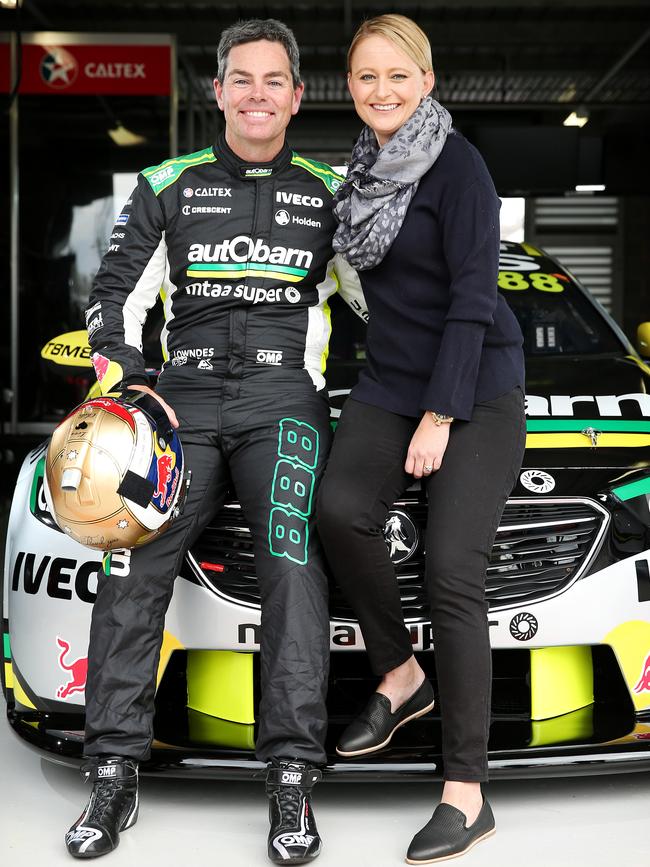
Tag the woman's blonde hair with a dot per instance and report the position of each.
(402, 32)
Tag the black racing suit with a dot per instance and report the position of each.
(241, 256)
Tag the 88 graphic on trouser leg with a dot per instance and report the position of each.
(293, 489)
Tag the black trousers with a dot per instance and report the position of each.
(466, 498)
(271, 443)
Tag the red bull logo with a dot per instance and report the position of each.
(77, 671)
(164, 470)
(644, 681)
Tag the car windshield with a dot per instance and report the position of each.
(556, 317)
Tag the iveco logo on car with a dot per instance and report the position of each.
(245, 249)
(296, 199)
(58, 574)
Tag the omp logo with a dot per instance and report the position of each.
(107, 771)
(162, 175)
(296, 199)
(296, 839)
(563, 404)
(269, 356)
(291, 778)
(244, 257)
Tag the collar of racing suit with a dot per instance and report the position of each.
(246, 170)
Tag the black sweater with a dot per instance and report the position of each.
(440, 336)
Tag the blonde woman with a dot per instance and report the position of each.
(440, 400)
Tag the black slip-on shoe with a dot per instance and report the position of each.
(376, 725)
(111, 808)
(446, 836)
(293, 838)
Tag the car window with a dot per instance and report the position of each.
(555, 315)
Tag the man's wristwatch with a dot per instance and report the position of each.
(439, 418)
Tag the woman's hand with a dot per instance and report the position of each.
(171, 415)
(427, 448)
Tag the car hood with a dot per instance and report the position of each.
(588, 421)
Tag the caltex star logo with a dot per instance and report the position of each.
(58, 68)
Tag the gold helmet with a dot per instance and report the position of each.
(114, 472)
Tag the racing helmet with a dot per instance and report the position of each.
(114, 472)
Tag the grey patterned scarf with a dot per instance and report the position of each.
(371, 204)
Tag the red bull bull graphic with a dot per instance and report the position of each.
(644, 681)
(165, 475)
(77, 671)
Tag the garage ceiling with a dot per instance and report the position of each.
(499, 63)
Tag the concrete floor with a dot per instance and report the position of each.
(576, 822)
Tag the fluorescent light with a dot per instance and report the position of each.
(576, 118)
(8, 4)
(124, 137)
(590, 188)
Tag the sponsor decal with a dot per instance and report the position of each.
(76, 671)
(295, 199)
(282, 217)
(92, 310)
(643, 684)
(269, 356)
(107, 771)
(95, 324)
(253, 294)
(256, 172)
(204, 209)
(58, 68)
(244, 256)
(80, 834)
(537, 481)
(306, 221)
(117, 563)
(563, 405)
(100, 363)
(524, 626)
(122, 220)
(64, 350)
(115, 70)
(61, 577)
(162, 175)
(400, 535)
(205, 365)
(208, 192)
(164, 466)
(122, 524)
(335, 184)
(113, 248)
(291, 778)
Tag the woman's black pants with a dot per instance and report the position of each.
(466, 498)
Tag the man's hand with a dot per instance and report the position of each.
(171, 415)
(427, 448)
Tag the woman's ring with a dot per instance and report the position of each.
(427, 469)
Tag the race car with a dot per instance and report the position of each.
(568, 582)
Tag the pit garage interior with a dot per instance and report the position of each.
(556, 96)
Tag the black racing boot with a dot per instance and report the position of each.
(293, 838)
(112, 807)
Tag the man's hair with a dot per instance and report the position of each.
(252, 31)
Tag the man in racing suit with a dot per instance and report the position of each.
(236, 239)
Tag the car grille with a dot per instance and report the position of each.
(541, 547)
